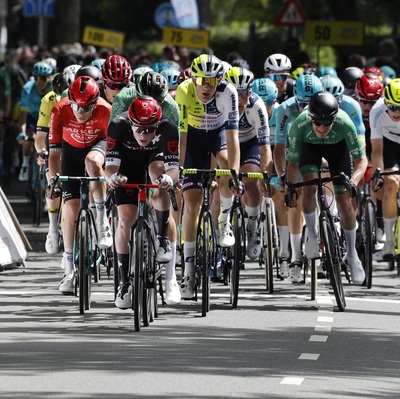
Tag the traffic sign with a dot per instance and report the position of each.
(39, 8)
(165, 15)
(339, 33)
(291, 15)
(103, 37)
(185, 37)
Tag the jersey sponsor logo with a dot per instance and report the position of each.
(173, 146)
(110, 144)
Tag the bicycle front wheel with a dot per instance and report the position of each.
(333, 260)
(148, 278)
(138, 285)
(268, 246)
(368, 232)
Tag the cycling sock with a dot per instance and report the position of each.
(351, 242)
(188, 253)
(225, 207)
(295, 244)
(283, 241)
(389, 227)
(92, 207)
(25, 161)
(162, 221)
(311, 222)
(252, 221)
(100, 211)
(53, 220)
(69, 264)
(170, 266)
(123, 267)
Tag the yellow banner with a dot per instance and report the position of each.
(103, 37)
(339, 33)
(185, 37)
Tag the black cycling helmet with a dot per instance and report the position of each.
(349, 77)
(323, 106)
(91, 71)
(59, 83)
(152, 84)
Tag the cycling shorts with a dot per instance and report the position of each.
(249, 152)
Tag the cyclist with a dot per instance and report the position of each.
(277, 68)
(385, 145)
(59, 84)
(292, 227)
(77, 142)
(325, 131)
(139, 140)
(209, 122)
(369, 89)
(349, 77)
(255, 150)
(31, 97)
(171, 75)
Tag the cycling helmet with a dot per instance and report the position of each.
(297, 73)
(145, 111)
(369, 87)
(89, 70)
(388, 71)
(140, 71)
(241, 78)
(374, 70)
(226, 66)
(332, 84)
(207, 65)
(42, 68)
(52, 62)
(83, 91)
(98, 63)
(59, 83)
(184, 74)
(349, 77)
(116, 69)
(240, 62)
(323, 106)
(266, 89)
(386, 80)
(392, 92)
(152, 84)
(159, 66)
(306, 86)
(173, 65)
(70, 71)
(277, 63)
(171, 75)
(327, 70)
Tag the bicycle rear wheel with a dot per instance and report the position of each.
(84, 286)
(148, 278)
(368, 232)
(333, 259)
(268, 246)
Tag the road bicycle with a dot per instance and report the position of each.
(206, 241)
(333, 247)
(86, 254)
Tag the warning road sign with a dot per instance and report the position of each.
(291, 15)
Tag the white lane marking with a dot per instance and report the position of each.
(324, 300)
(292, 380)
(323, 328)
(325, 319)
(318, 338)
(309, 356)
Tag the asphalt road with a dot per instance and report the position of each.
(280, 345)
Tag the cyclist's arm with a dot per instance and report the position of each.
(231, 115)
(360, 166)
(377, 153)
(181, 99)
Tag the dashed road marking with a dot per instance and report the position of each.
(309, 356)
(292, 381)
(323, 328)
(318, 338)
(325, 319)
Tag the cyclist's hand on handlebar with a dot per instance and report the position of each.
(42, 156)
(291, 196)
(353, 192)
(116, 180)
(52, 193)
(377, 181)
(237, 189)
(165, 181)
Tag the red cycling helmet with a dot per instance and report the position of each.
(369, 87)
(374, 70)
(145, 111)
(83, 91)
(116, 69)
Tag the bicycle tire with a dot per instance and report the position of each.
(368, 234)
(114, 224)
(333, 260)
(83, 251)
(137, 300)
(238, 255)
(268, 247)
(148, 277)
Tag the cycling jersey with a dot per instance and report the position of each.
(286, 113)
(125, 97)
(48, 102)
(31, 98)
(381, 123)
(254, 122)
(64, 126)
(218, 114)
(352, 108)
(343, 128)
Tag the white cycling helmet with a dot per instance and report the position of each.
(277, 63)
(70, 71)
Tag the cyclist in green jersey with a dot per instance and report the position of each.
(325, 131)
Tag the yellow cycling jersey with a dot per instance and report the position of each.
(47, 104)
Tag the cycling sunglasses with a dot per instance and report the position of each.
(115, 86)
(145, 130)
(202, 81)
(276, 76)
(393, 108)
(366, 102)
(316, 122)
(244, 93)
(42, 78)
(302, 104)
(85, 108)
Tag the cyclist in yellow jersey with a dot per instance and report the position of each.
(209, 121)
